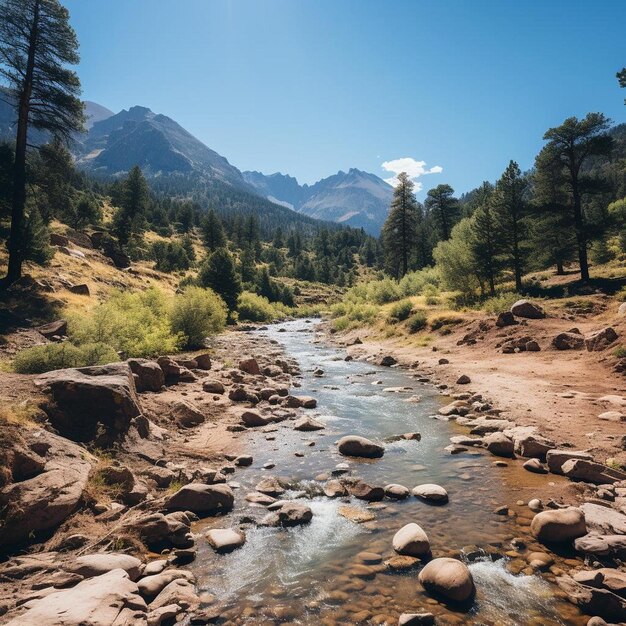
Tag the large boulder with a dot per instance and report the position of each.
(201, 499)
(556, 458)
(603, 520)
(569, 341)
(159, 531)
(612, 546)
(294, 514)
(186, 414)
(253, 419)
(594, 599)
(81, 399)
(249, 365)
(499, 444)
(91, 565)
(449, 579)
(51, 493)
(411, 540)
(505, 318)
(225, 540)
(559, 525)
(431, 493)
(528, 442)
(148, 374)
(111, 599)
(57, 328)
(527, 309)
(591, 472)
(600, 339)
(364, 491)
(353, 445)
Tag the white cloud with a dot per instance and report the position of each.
(413, 168)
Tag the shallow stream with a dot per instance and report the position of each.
(310, 575)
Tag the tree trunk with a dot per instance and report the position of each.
(581, 238)
(16, 238)
(560, 270)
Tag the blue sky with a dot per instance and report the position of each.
(309, 87)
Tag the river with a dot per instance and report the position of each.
(310, 574)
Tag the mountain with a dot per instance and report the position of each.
(354, 198)
(95, 112)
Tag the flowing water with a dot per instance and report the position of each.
(310, 574)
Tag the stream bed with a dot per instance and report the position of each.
(310, 574)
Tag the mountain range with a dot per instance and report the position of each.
(165, 151)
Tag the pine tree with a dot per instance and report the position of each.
(278, 241)
(248, 265)
(571, 145)
(219, 273)
(36, 46)
(212, 231)
(399, 230)
(444, 210)
(130, 219)
(510, 210)
(54, 174)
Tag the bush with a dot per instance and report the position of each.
(498, 304)
(53, 356)
(400, 311)
(170, 256)
(413, 283)
(136, 324)
(254, 308)
(417, 322)
(196, 314)
(384, 291)
(620, 352)
(445, 321)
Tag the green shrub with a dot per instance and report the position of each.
(136, 324)
(444, 321)
(384, 291)
(413, 283)
(498, 304)
(254, 308)
(196, 314)
(53, 356)
(620, 352)
(417, 322)
(400, 311)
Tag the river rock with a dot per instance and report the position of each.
(431, 493)
(556, 459)
(200, 498)
(448, 578)
(83, 398)
(249, 365)
(334, 489)
(186, 414)
(307, 424)
(270, 486)
(603, 520)
(151, 586)
(148, 375)
(600, 339)
(591, 472)
(174, 372)
(396, 492)
(559, 526)
(388, 361)
(213, 386)
(364, 491)
(304, 402)
(594, 601)
(464, 379)
(411, 540)
(92, 565)
(535, 466)
(416, 619)
(294, 514)
(353, 445)
(181, 592)
(528, 442)
(527, 309)
(499, 444)
(224, 540)
(253, 419)
(106, 600)
(613, 546)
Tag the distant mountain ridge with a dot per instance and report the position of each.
(354, 198)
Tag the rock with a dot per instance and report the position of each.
(600, 339)
(353, 445)
(621, 310)
(356, 514)
(85, 397)
(613, 546)
(528, 442)
(603, 520)
(604, 578)
(174, 372)
(416, 619)
(556, 459)
(535, 466)
(411, 540)
(540, 560)
(244, 460)
(463, 380)
(270, 486)
(294, 514)
(506, 318)
(148, 375)
(163, 614)
(200, 498)
(203, 361)
(363, 491)
(224, 540)
(40, 503)
(559, 526)
(80, 290)
(484, 425)
(186, 414)
(181, 592)
(151, 586)
(431, 493)
(307, 424)
(499, 444)
(590, 472)
(527, 309)
(253, 419)
(304, 402)
(107, 600)
(57, 328)
(533, 346)
(213, 386)
(250, 366)
(612, 416)
(59, 240)
(396, 492)
(568, 341)
(388, 361)
(92, 565)
(448, 578)
(594, 601)
(334, 489)
(162, 476)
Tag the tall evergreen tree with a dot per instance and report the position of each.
(37, 44)
(510, 210)
(485, 243)
(219, 273)
(572, 145)
(399, 230)
(621, 77)
(130, 219)
(247, 265)
(212, 231)
(444, 210)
